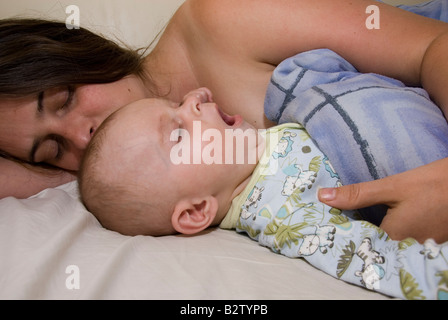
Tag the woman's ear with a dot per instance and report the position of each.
(194, 215)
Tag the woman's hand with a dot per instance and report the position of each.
(417, 201)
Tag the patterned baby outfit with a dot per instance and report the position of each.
(280, 209)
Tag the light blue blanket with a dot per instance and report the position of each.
(437, 9)
(369, 126)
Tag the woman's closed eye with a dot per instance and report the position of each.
(49, 150)
(70, 94)
(56, 99)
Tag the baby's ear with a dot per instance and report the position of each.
(194, 215)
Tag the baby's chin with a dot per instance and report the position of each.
(252, 141)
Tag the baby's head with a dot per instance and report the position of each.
(155, 167)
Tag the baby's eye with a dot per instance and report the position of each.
(176, 135)
(179, 137)
(181, 104)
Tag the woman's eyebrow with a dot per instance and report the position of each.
(40, 105)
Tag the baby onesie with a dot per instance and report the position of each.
(280, 209)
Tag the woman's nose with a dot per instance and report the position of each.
(78, 134)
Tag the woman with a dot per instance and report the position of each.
(50, 111)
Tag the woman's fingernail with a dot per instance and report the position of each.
(327, 194)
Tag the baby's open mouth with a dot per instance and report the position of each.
(229, 120)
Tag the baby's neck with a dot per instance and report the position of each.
(223, 209)
(241, 187)
(261, 146)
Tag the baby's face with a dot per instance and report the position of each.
(189, 148)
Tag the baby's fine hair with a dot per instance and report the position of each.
(118, 203)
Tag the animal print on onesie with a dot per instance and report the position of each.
(280, 209)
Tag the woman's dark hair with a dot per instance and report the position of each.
(36, 55)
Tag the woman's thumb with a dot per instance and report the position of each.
(354, 196)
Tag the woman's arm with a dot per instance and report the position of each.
(434, 71)
(21, 182)
(406, 46)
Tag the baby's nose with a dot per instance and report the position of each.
(193, 104)
(203, 94)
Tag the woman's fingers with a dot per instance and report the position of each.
(417, 201)
(360, 195)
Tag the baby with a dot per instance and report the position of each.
(157, 168)
(138, 176)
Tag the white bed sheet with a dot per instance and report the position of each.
(44, 236)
